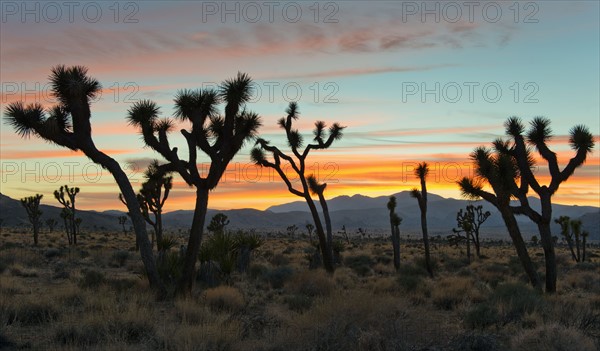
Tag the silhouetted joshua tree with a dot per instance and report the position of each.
(220, 137)
(395, 221)
(32, 206)
(152, 198)
(469, 222)
(51, 223)
(68, 125)
(66, 197)
(570, 229)
(538, 135)
(421, 195)
(501, 172)
(308, 184)
(122, 222)
(65, 214)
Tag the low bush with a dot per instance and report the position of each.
(552, 337)
(225, 298)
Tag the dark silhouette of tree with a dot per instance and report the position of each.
(218, 223)
(310, 228)
(220, 137)
(501, 172)
(122, 222)
(421, 195)
(68, 125)
(395, 221)
(65, 214)
(308, 184)
(570, 229)
(32, 206)
(469, 222)
(152, 198)
(51, 223)
(66, 197)
(538, 136)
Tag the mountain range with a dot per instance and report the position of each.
(353, 212)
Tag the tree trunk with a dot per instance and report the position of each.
(578, 246)
(325, 251)
(477, 244)
(547, 242)
(327, 224)
(426, 241)
(186, 283)
(73, 226)
(468, 235)
(519, 244)
(549, 256)
(570, 245)
(35, 233)
(159, 231)
(583, 249)
(396, 246)
(139, 223)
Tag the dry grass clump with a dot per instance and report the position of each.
(311, 283)
(452, 291)
(225, 298)
(552, 337)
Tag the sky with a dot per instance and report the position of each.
(411, 81)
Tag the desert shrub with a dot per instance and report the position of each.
(91, 279)
(132, 330)
(475, 341)
(278, 276)
(31, 313)
(19, 271)
(454, 264)
(257, 271)
(360, 264)
(120, 285)
(79, 335)
(410, 277)
(279, 260)
(298, 303)
(420, 262)
(119, 258)
(514, 300)
(311, 283)
(552, 337)
(481, 316)
(170, 267)
(225, 298)
(451, 291)
(51, 253)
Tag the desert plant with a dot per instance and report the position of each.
(538, 135)
(501, 172)
(218, 136)
(51, 223)
(32, 207)
(218, 223)
(151, 198)
(66, 197)
(421, 195)
(310, 229)
(68, 125)
(395, 221)
(122, 222)
(309, 184)
(576, 240)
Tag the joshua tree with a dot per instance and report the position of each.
(32, 206)
(310, 228)
(220, 137)
(291, 230)
(469, 222)
(395, 221)
(68, 125)
(68, 203)
(501, 172)
(308, 184)
(570, 229)
(51, 223)
(152, 198)
(538, 135)
(65, 214)
(421, 195)
(122, 222)
(218, 223)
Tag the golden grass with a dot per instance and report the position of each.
(44, 305)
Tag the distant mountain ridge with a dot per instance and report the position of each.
(357, 211)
